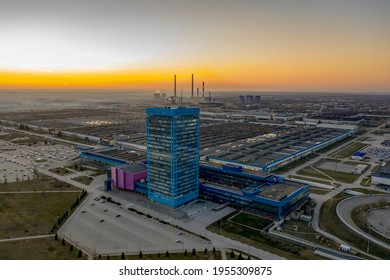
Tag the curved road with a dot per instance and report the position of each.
(344, 211)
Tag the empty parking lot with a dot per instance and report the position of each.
(106, 228)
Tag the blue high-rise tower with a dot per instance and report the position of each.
(173, 154)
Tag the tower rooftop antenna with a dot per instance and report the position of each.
(174, 99)
(192, 86)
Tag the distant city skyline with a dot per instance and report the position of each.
(302, 45)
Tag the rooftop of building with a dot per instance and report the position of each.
(244, 170)
(172, 110)
(134, 168)
(359, 154)
(278, 191)
(121, 154)
(275, 146)
(383, 172)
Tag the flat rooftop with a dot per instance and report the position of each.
(262, 151)
(383, 172)
(224, 188)
(121, 154)
(274, 192)
(278, 191)
(134, 168)
(244, 170)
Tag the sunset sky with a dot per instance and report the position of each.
(263, 45)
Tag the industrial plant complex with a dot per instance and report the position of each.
(169, 171)
(173, 174)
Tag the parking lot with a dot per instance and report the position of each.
(17, 162)
(381, 154)
(104, 228)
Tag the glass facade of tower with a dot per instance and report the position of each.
(173, 154)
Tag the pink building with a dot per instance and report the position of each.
(125, 176)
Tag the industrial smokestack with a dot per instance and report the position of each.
(197, 92)
(174, 86)
(209, 96)
(203, 90)
(181, 97)
(192, 86)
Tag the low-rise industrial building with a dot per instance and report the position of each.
(259, 192)
(113, 156)
(124, 177)
(255, 191)
(381, 176)
(359, 156)
(276, 152)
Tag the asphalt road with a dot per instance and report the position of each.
(344, 212)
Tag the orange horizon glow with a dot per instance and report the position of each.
(235, 77)
(330, 68)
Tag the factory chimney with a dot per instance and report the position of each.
(174, 86)
(192, 86)
(203, 91)
(197, 92)
(209, 96)
(181, 97)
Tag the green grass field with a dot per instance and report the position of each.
(76, 166)
(60, 171)
(366, 182)
(251, 220)
(262, 241)
(86, 180)
(349, 150)
(236, 253)
(338, 176)
(319, 190)
(308, 171)
(375, 169)
(32, 214)
(42, 183)
(37, 249)
(341, 176)
(306, 232)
